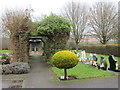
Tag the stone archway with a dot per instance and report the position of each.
(35, 46)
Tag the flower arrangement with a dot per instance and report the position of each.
(5, 59)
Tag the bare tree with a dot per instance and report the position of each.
(118, 35)
(103, 21)
(19, 23)
(77, 14)
(4, 32)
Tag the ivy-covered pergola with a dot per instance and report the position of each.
(53, 31)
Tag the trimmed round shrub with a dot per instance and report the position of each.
(64, 60)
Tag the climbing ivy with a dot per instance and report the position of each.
(52, 25)
(55, 31)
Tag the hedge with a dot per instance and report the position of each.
(102, 49)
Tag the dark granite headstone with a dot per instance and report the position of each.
(95, 58)
(112, 62)
(103, 63)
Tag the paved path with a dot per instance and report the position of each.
(41, 77)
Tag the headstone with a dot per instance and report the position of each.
(102, 62)
(79, 56)
(75, 51)
(112, 62)
(95, 58)
(83, 55)
(91, 55)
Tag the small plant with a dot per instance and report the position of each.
(64, 60)
(105, 65)
(5, 59)
(16, 68)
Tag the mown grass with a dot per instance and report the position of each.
(4, 51)
(83, 71)
(86, 71)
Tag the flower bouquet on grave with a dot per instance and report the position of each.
(86, 61)
(95, 64)
(5, 59)
(2, 61)
(92, 61)
(89, 61)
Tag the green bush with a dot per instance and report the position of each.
(53, 25)
(54, 31)
(64, 60)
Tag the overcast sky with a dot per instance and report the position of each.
(41, 6)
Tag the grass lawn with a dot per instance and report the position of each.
(86, 71)
(83, 71)
(4, 51)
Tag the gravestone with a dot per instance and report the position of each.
(75, 51)
(95, 58)
(103, 63)
(91, 55)
(79, 56)
(112, 62)
(83, 55)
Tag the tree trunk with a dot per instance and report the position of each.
(20, 48)
(77, 46)
(24, 50)
(15, 47)
(65, 74)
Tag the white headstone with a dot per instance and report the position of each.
(83, 55)
(91, 55)
(79, 55)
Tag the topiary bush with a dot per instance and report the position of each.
(64, 60)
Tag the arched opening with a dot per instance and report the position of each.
(35, 46)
